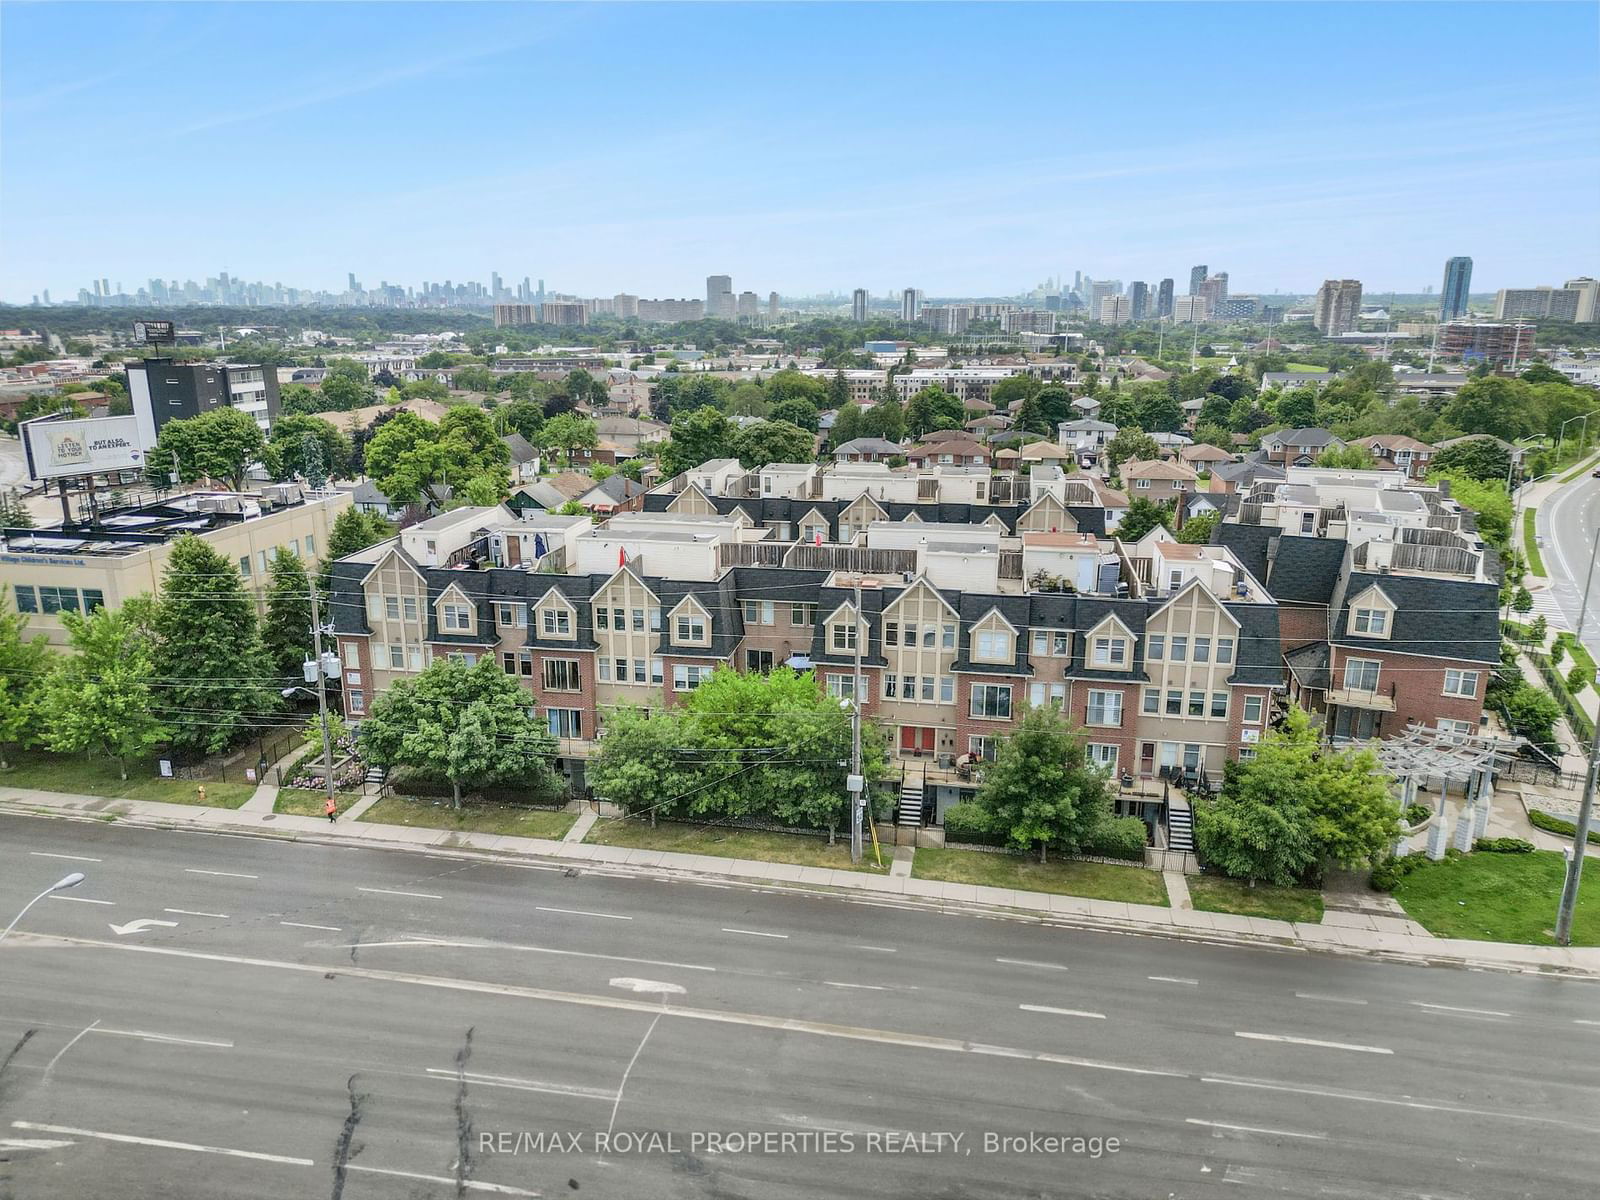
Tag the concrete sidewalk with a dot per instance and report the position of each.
(1361, 934)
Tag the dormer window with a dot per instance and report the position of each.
(993, 645)
(1373, 621)
(556, 622)
(456, 617)
(1110, 651)
(691, 629)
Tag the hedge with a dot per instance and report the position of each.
(1579, 720)
(404, 782)
(1117, 837)
(1503, 845)
(1544, 821)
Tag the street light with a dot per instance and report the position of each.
(60, 885)
(1562, 432)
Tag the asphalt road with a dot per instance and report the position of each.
(364, 1023)
(1568, 522)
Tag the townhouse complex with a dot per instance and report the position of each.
(949, 598)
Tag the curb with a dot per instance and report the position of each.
(1061, 920)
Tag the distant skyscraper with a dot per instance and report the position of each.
(1587, 307)
(1099, 289)
(910, 304)
(354, 286)
(1164, 299)
(858, 305)
(494, 285)
(720, 300)
(772, 306)
(1337, 307)
(1457, 282)
(749, 306)
(1215, 290)
(1197, 276)
(1138, 300)
(1115, 309)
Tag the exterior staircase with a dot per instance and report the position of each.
(908, 813)
(1180, 824)
(376, 775)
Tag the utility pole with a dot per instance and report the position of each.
(322, 690)
(1580, 836)
(1194, 346)
(854, 783)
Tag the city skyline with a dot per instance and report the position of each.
(794, 189)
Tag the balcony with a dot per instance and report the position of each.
(1379, 699)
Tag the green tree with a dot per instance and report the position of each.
(846, 426)
(1298, 409)
(697, 437)
(220, 444)
(410, 459)
(216, 675)
(796, 411)
(288, 453)
(569, 433)
(1478, 458)
(1015, 387)
(286, 630)
(1533, 713)
(641, 766)
(352, 530)
(1354, 816)
(1491, 405)
(1142, 516)
(885, 419)
(1259, 828)
(1489, 500)
(1159, 410)
(791, 385)
(1348, 458)
(521, 417)
(346, 386)
(1041, 790)
(1521, 601)
(932, 409)
(101, 697)
(425, 389)
(772, 441)
(469, 726)
(1538, 630)
(1197, 529)
(472, 379)
(24, 662)
(1131, 443)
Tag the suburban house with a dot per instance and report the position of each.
(1204, 457)
(960, 452)
(1395, 451)
(1085, 437)
(1298, 447)
(1044, 454)
(1158, 480)
(867, 449)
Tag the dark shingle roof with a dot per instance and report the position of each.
(1440, 618)
(1304, 570)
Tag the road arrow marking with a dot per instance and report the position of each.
(141, 925)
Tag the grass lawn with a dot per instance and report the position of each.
(1303, 368)
(724, 842)
(1098, 881)
(308, 802)
(1577, 653)
(473, 818)
(1499, 898)
(1217, 893)
(99, 777)
(1530, 541)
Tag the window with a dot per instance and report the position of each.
(691, 629)
(1191, 758)
(27, 599)
(654, 617)
(1174, 579)
(655, 670)
(637, 622)
(311, 545)
(1105, 708)
(602, 618)
(803, 614)
(759, 661)
(927, 687)
(565, 722)
(1141, 484)
(759, 612)
(1455, 729)
(1374, 621)
(1247, 753)
(58, 599)
(604, 669)
(1054, 694)
(415, 654)
(1110, 652)
(509, 662)
(814, 533)
(561, 674)
(1197, 704)
(843, 687)
(620, 668)
(911, 634)
(1103, 756)
(1060, 644)
(1174, 703)
(994, 646)
(1219, 704)
(1224, 650)
(1202, 649)
(352, 656)
(1180, 649)
(93, 598)
(619, 620)
(947, 637)
(294, 547)
(411, 608)
(1253, 706)
(1152, 700)
(928, 636)
(1456, 683)
(391, 607)
(947, 689)
(1361, 675)
(908, 687)
(513, 615)
(1156, 647)
(992, 701)
(639, 671)
(982, 748)
(261, 561)
(686, 677)
(397, 658)
(891, 633)
(456, 616)
(244, 566)
(1041, 642)
(357, 699)
(891, 687)
(844, 637)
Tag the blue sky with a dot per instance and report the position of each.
(964, 149)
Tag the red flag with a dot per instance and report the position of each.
(817, 538)
(622, 557)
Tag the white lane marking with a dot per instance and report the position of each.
(877, 949)
(391, 892)
(35, 1144)
(1316, 1137)
(1173, 979)
(866, 987)
(1067, 1060)
(79, 899)
(1024, 962)
(450, 1074)
(401, 942)
(578, 912)
(324, 928)
(69, 858)
(184, 912)
(1300, 1041)
(1450, 1008)
(471, 1185)
(1061, 1012)
(622, 1085)
(144, 1035)
(1397, 1101)
(1576, 1021)
(754, 933)
(222, 874)
(648, 986)
(142, 924)
(160, 1143)
(1328, 999)
(643, 962)
(51, 1065)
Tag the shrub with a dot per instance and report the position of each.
(1118, 837)
(1503, 845)
(1544, 821)
(1417, 813)
(969, 822)
(1386, 876)
(1577, 678)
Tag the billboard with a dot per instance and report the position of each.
(153, 333)
(55, 448)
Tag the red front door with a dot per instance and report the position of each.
(916, 740)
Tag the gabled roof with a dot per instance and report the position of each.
(1157, 469)
(868, 445)
(1392, 441)
(1436, 617)
(1205, 452)
(1302, 437)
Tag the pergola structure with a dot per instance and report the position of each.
(1422, 753)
